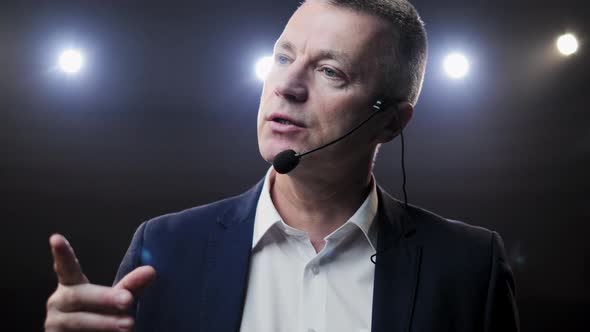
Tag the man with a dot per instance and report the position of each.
(295, 252)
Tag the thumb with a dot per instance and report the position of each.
(137, 280)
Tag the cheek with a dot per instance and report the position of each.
(337, 120)
(264, 98)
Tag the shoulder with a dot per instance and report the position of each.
(201, 219)
(429, 226)
(178, 239)
(433, 228)
(446, 239)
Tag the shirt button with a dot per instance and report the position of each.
(315, 270)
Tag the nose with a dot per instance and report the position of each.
(293, 84)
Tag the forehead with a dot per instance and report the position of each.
(318, 27)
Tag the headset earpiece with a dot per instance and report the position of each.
(379, 105)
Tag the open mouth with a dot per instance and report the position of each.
(283, 121)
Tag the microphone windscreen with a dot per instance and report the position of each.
(285, 161)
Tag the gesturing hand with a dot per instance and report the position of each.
(77, 305)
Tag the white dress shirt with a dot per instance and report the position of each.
(293, 288)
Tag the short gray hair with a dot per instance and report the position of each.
(404, 69)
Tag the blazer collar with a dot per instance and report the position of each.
(242, 209)
(227, 263)
(397, 267)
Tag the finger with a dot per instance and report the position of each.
(86, 321)
(137, 280)
(65, 264)
(91, 298)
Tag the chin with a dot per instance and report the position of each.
(267, 153)
(268, 150)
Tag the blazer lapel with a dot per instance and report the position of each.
(397, 267)
(228, 256)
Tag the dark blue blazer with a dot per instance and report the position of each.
(431, 274)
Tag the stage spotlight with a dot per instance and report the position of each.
(71, 61)
(263, 67)
(456, 65)
(567, 44)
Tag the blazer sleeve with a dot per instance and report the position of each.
(501, 312)
(132, 260)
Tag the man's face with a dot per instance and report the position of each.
(323, 82)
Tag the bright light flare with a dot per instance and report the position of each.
(71, 61)
(263, 67)
(567, 44)
(456, 65)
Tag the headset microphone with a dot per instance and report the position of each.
(285, 161)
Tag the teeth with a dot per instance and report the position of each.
(283, 121)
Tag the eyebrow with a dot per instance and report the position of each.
(322, 54)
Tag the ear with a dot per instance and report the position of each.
(396, 117)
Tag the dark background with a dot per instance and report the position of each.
(165, 111)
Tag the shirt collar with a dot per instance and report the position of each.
(364, 217)
(267, 215)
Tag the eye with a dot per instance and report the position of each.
(330, 73)
(281, 59)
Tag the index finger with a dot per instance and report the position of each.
(66, 264)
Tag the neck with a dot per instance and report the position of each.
(320, 201)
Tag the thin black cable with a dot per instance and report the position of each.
(401, 132)
(403, 159)
(404, 168)
(341, 138)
